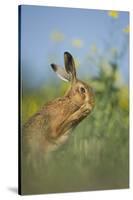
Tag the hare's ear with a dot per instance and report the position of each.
(61, 73)
(70, 65)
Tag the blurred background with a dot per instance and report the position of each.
(97, 156)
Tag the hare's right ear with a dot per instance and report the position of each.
(61, 73)
(70, 66)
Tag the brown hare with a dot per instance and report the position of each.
(51, 127)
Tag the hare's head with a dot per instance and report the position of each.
(79, 92)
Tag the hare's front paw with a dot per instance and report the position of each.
(84, 110)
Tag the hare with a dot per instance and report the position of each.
(51, 127)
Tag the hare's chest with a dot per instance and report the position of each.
(63, 138)
(58, 142)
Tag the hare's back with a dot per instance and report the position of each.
(33, 131)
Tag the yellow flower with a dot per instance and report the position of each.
(32, 107)
(124, 98)
(126, 29)
(114, 14)
(77, 43)
(57, 36)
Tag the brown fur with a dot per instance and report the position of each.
(51, 126)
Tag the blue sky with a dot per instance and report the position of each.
(90, 28)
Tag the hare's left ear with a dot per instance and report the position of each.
(70, 66)
(61, 73)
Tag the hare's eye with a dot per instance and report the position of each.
(82, 90)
